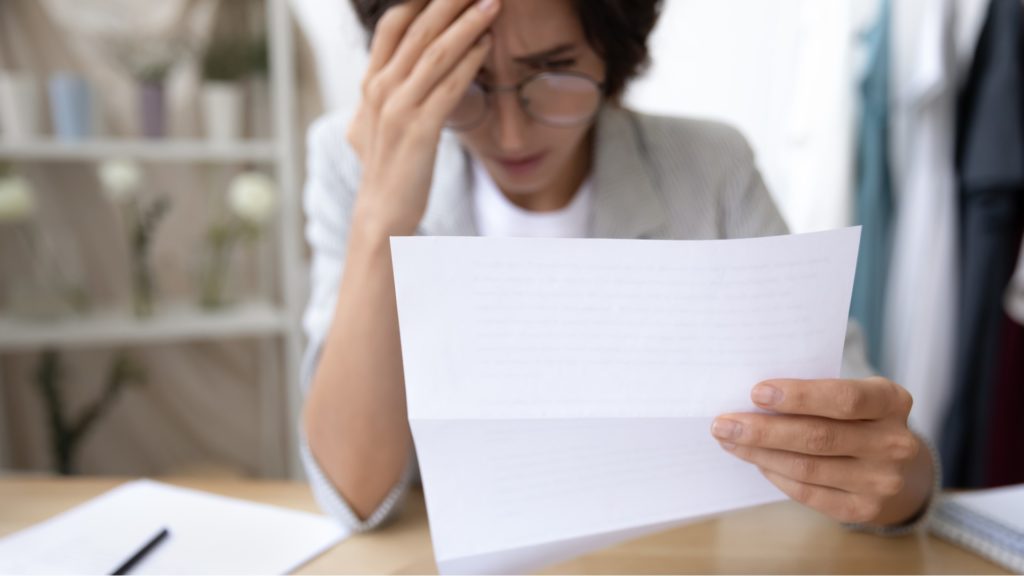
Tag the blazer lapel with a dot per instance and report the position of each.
(627, 203)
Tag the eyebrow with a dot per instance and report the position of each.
(539, 58)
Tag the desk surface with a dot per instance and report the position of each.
(778, 538)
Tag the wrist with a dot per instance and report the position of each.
(371, 221)
(369, 241)
(375, 218)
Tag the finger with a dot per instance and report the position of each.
(449, 92)
(386, 37)
(816, 436)
(870, 399)
(389, 32)
(843, 473)
(840, 505)
(444, 54)
(432, 22)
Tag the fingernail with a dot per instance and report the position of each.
(727, 429)
(728, 446)
(486, 5)
(766, 395)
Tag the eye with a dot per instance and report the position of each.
(560, 64)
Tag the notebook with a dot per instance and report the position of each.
(208, 534)
(987, 522)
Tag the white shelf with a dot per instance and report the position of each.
(152, 150)
(275, 326)
(171, 323)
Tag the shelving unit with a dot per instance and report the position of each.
(171, 323)
(148, 150)
(273, 324)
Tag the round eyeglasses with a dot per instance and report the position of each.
(559, 99)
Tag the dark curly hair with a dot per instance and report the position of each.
(616, 29)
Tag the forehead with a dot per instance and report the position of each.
(528, 26)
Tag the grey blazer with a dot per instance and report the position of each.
(654, 177)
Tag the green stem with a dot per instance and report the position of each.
(118, 377)
(61, 440)
(215, 274)
(65, 439)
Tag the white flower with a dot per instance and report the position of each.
(120, 179)
(252, 197)
(16, 200)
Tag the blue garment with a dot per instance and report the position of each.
(874, 203)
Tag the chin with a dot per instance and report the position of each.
(520, 188)
(518, 185)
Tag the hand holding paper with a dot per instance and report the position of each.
(560, 392)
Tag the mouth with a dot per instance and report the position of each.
(521, 165)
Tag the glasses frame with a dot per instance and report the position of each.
(490, 90)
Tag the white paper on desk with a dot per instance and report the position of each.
(209, 534)
(561, 392)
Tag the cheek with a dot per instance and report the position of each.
(476, 142)
(565, 142)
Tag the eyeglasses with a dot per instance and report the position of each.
(559, 99)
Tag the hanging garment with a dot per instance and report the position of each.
(874, 197)
(1005, 465)
(990, 160)
(1014, 299)
(921, 293)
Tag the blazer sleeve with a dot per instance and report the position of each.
(748, 209)
(333, 175)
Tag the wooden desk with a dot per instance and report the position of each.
(778, 538)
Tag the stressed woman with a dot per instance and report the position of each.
(503, 118)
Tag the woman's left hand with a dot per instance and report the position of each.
(841, 447)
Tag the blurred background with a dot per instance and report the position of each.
(153, 269)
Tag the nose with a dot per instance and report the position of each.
(510, 122)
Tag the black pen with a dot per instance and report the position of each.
(131, 562)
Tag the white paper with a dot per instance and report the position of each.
(561, 392)
(209, 534)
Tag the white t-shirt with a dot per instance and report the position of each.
(497, 216)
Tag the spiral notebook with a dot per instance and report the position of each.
(987, 522)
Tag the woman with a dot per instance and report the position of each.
(500, 117)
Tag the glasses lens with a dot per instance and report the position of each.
(469, 110)
(562, 99)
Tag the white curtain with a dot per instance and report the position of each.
(784, 73)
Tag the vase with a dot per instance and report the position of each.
(214, 272)
(19, 106)
(258, 108)
(153, 109)
(71, 106)
(223, 111)
(38, 289)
